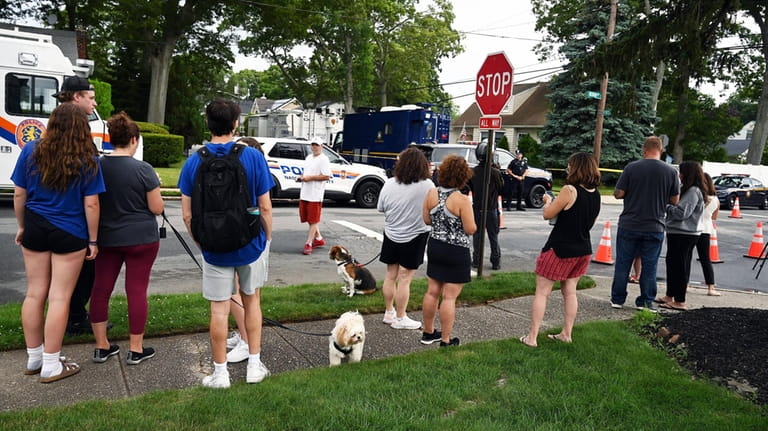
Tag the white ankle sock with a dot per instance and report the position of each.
(34, 357)
(219, 368)
(254, 358)
(51, 364)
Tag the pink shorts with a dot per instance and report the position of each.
(551, 267)
(309, 212)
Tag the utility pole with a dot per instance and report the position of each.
(604, 87)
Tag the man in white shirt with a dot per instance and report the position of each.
(317, 171)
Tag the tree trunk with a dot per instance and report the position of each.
(682, 110)
(383, 92)
(348, 96)
(659, 72)
(158, 89)
(760, 133)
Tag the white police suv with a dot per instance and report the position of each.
(285, 158)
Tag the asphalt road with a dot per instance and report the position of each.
(360, 230)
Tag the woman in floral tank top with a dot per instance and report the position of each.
(449, 212)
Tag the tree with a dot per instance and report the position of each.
(570, 125)
(758, 10)
(252, 84)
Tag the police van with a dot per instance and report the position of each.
(285, 158)
(32, 69)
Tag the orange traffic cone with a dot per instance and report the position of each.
(736, 211)
(714, 251)
(756, 248)
(501, 216)
(603, 254)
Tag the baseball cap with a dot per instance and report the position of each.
(74, 83)
(314, 143)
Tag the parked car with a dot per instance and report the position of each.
(285, 158)
(750, 191)
(536, 184)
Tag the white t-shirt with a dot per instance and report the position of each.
(705, 222)
(313, 191)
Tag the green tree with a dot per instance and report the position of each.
(758, 10)
(252, 84)
(570, 125)
(530, 148)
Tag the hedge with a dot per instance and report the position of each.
(159, 129)
(161, 150)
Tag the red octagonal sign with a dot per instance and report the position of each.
(494, 84)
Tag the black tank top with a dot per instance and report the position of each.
(570, 236)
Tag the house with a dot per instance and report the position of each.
(524, 114)
(284, 118)
(737, 144)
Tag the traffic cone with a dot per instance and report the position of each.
(756, 248)
(501, 216)
(736, 211)
(603, 254)
(714, 251)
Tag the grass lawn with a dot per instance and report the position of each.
(610, 380)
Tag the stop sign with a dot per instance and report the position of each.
(494, 84)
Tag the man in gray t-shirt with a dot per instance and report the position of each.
(646, 186)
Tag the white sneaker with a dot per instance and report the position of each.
(389, 317)
(218, 381)
(239, 353)
(405, 322)
(233, 340)
(256, 373)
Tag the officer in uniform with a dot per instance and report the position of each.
(492, 216)
(517, 170)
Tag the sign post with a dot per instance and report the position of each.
(493, 89)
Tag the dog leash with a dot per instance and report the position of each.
(181, 240)
(366, 263)
(280, 325)
(265, 319)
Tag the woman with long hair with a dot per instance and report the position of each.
(405, 233)
(128, 235)
(57, 182)
(708, 217)
(450, 214)
(683, 232)
(566, 254)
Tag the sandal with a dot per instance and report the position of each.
(556, 337)
(524, 340)
(67, 369)
(28, 372)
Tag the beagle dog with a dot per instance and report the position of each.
(357, 279)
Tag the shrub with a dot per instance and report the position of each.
(103, 92)
(159, 129)
(162, 149)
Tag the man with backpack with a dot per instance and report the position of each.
(226, 207)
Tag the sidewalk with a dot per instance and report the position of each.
(182, 361)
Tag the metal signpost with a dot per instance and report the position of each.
(493, 89)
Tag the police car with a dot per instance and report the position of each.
(750, 191)
(285, 158)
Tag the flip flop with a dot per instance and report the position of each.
(669, 306)
(556, 337)
(524, 340)
(28, 372)
(659, 301)
(67, 369)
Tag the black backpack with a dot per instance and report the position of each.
(221, 198)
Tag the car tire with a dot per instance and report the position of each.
(274, 192)
(367, 194)
(730, 201)
(764, 204)
(535, 197)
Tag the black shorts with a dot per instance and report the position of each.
(41, 235)
(409, 255)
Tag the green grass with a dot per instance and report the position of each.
(611, 379)
(169, 177)
(188, 313)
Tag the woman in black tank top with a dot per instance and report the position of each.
(567, 252)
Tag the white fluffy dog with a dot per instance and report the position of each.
(347, 338)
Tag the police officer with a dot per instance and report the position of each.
(492, 216)
(517, 170)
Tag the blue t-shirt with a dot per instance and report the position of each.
(64, 210)
(259, 182)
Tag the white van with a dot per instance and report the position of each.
(32, 69)
(285, 158)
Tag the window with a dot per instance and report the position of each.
(388, 128)
(288, 151)
(29, 96)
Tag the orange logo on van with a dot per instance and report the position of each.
(28, 131)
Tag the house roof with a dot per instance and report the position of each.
(531, 112)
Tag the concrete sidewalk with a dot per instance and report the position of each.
(182, 361)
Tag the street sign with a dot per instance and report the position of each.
(493, 87)
(593, 95)
(490, 122)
